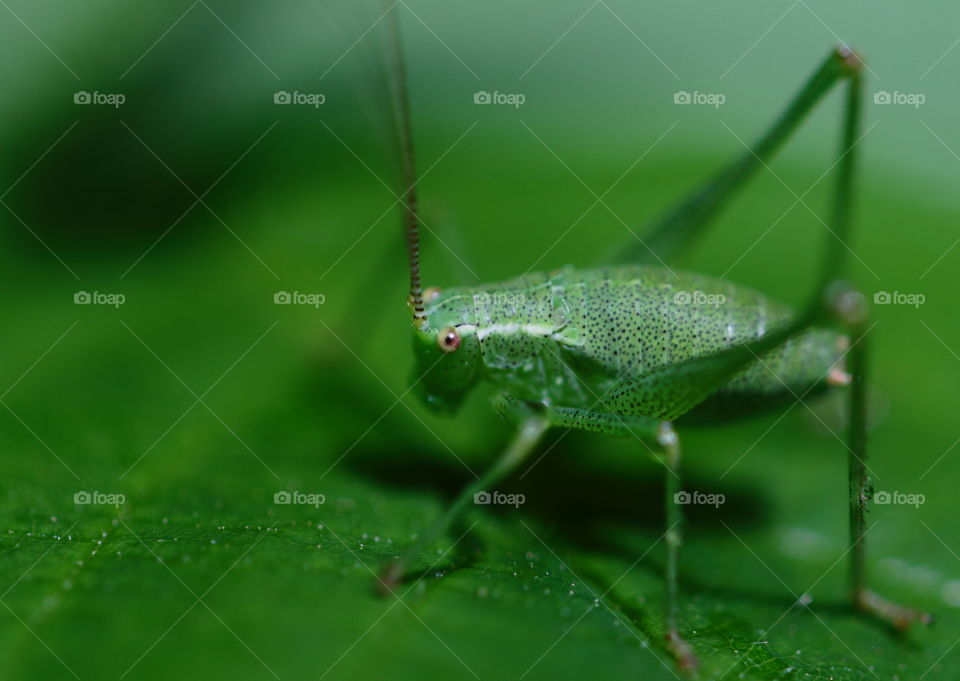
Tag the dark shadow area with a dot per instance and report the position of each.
(565, 491)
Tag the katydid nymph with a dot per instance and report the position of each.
(637, 349)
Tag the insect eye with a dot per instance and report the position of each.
(448, 339)
(432, 293)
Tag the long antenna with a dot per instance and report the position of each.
(401, 106)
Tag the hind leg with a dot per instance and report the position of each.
(681, 226)
(852, 308)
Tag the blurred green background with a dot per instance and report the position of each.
(198, 398)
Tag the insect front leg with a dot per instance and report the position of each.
(531, 429)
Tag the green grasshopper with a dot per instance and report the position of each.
(636, 349)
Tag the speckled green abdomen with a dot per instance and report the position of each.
(575, 338)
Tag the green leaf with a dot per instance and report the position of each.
(199, 399)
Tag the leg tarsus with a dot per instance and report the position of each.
(897, 616)
(390, 577)
(682, 653)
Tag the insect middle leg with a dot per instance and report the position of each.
(666, 448)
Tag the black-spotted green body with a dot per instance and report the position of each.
(583, 338)
(630, 349)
